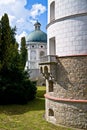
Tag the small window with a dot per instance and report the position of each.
(45, 69)
(52, 11)
(32, 46)
(50, 86)
(52, 46)
(41, 46)
(51, 112)
(42, 53)
(41, 69)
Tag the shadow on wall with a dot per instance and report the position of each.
(62, 76)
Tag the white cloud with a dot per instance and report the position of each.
(18, 37)
(37, 9)
(20, 16)
(33, 21)
(12, 18)
(5, 2)
(21, 20)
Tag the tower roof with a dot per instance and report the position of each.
(37, 25)
(37, 35)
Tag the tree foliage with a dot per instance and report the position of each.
(5, 39)
(15, 87)
(0, 41)
(23, 52)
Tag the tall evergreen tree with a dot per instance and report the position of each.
(0, 41)
(23, 52)
(13, 33)
(15, 87)
(9, 49)
(14, 56)
(0, 34)
(6, 39)
(0, 45)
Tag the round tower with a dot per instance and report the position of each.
(66, 97)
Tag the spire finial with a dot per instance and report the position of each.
(37, 25)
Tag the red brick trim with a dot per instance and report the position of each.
(64, 99)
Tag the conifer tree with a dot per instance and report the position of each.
(15, 87)
(0, 34)
(23, 52)
(6, 39)
(13, 33)
(0, 45)
(9, 47)
(0, 41)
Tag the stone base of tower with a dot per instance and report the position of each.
(66, 99)
(67, 114)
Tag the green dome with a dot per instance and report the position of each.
(37, 35)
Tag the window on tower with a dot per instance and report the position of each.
(50, 86)
(52, 46)
(51, 112)
(42, 53)
(52, 11)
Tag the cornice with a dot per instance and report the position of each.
(65, 18)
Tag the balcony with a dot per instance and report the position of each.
(48, 59)
(48, 67)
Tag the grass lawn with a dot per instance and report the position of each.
(26, 117)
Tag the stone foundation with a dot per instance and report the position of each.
(71, 85)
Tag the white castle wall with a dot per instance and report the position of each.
(70, 27)
(67, 38)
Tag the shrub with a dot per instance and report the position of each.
(16, 88)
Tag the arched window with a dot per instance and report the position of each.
(42, 53)
(41, 69)
(52, 11)
(45, 69)
(51, 112)
(50, 86)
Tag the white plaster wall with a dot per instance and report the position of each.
(67, 7)
(70, 7)
(70, 33)
(35, 62)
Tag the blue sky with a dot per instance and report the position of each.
(24, 13)
(43, 17)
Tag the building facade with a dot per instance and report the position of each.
(36, 43)
(65, 66)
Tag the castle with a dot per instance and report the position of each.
(65, 66)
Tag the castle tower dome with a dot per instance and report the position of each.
(37, 35)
